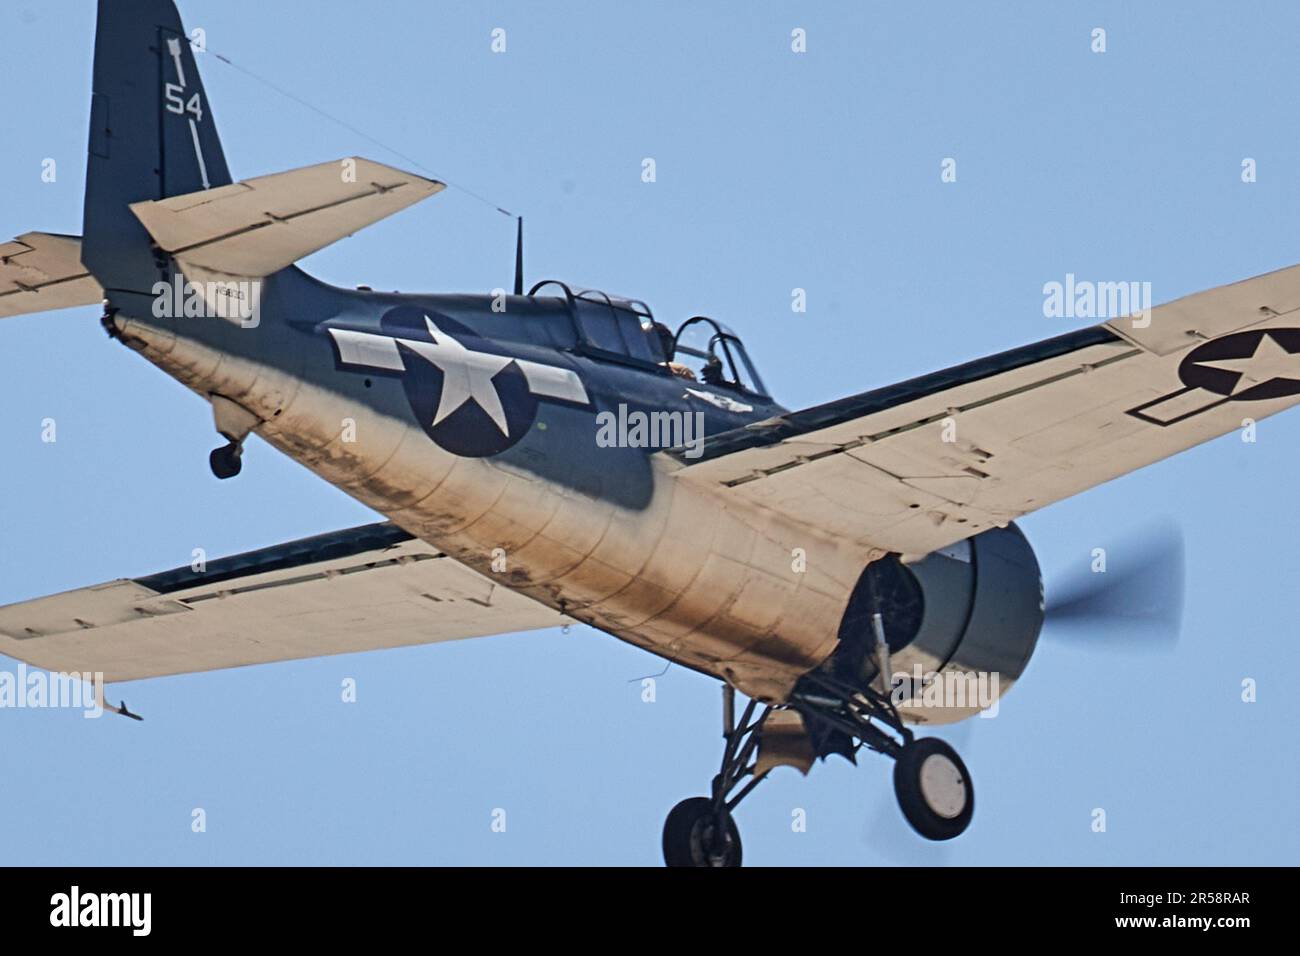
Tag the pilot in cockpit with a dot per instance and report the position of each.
(662, 336)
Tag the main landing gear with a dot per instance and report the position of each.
(931, 783)
(699, 831)
(933, 788)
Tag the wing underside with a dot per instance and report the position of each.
(917, 466)
(362, 589)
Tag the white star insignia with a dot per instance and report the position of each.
(466, 375)
(1269, 361)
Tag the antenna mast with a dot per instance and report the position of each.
(519, 256)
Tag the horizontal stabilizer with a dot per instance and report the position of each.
(40, 271)
(260, 226)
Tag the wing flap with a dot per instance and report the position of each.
(41, 271)
(362, 589)
(259, 226)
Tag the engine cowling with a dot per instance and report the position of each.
(961, 624)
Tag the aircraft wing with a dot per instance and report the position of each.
(919, 465)
(41, 271)
(357, 590)
(256, 227)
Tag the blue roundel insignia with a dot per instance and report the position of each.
(470, 402)
(1246, 366)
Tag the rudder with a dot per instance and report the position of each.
(152, 136)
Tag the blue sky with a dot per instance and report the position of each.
(774, 171)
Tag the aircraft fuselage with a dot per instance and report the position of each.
(464, 426)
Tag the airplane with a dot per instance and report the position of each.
(809, 559)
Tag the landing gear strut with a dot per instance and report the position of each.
(931, 783)
(700, 831)
(933, 786)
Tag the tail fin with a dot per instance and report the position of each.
(152, 135)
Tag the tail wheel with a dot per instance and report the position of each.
(694, 836)
(225, 461)
(934, 789)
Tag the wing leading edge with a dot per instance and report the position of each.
(919, 465)
(361, 589)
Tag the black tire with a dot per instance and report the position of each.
(934, 789)
(225, 461)
(690, 836)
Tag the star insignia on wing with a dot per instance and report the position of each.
(1269, 361)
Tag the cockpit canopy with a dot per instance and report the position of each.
(715, 355)
(620, 329)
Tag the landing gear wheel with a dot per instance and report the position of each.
(225, 461)
(692, 836)
(934, 789)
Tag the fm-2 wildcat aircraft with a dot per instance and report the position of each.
(804, 558)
